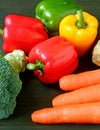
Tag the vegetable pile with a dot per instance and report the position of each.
(50, 45)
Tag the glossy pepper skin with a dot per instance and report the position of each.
(53, 58)
(81, 29)
(50, 12)
(22, 32)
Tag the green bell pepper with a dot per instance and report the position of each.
(50, 12)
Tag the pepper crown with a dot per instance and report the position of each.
(1, 32)
(18, 60)
(81, 23)
(38, 65)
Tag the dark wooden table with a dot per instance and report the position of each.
(34, 94)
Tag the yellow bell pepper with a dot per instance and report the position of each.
(81, 29)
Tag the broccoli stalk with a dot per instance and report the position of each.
(10, 84)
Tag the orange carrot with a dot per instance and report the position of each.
(82, 95)
(76, 113)
(79, 80)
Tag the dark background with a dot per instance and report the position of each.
(34, 94)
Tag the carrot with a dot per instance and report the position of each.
(79, 80)
(82, 95)
(75, 113)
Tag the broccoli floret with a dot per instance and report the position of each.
(10, 84)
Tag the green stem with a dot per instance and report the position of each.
(18, 60)
(1, 32)
(81, 22)
(38, 65)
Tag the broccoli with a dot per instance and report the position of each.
(10, 84)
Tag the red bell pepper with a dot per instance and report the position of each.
(52, 59)
(22, 32)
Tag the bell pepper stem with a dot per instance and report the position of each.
(81, 22)
(1, 32)
(38, 65)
